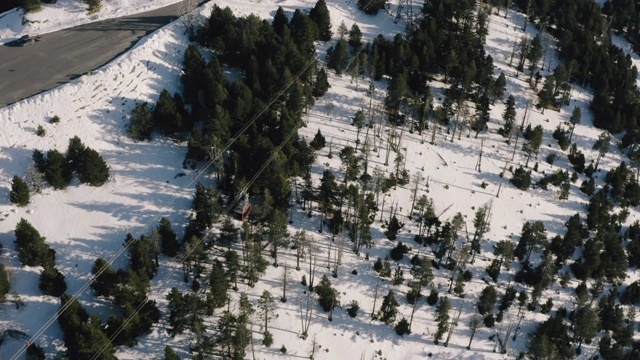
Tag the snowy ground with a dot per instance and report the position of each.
(82, 223)
(68, 13)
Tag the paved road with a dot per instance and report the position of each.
(64, 55)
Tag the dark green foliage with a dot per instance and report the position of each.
(267, 340)
(193, 74)
(30, 246)
(105, 283)
(560, 135)
(550, 337)
(52, 282)
(509, 117)
(371, 7)
(588, 186)
(318, 141)
(84, 337)
(40, 131)
(19, 194)
(141, 125)
(355, 36)
(487, 300)
(168, 239)
(389, 308)
(166, 115)
(489, 320)
(631, 295)
(547, 306)
(35, 352)
(5, 285)
(218, 285)
(377, 265)
(321, 17)
(338, 57)
(143, 256)
(402, 327)
(54, 120)
(93, 170)
(432, 299)
(442, 317)
(352, 308)
(30, 5)
(398, 252)
(521, 178)
(178, 311)
(392, 230)
(576, 158)
(328, 297)
(58, 173)
(169, 354)
(321, 85)
(39, 160)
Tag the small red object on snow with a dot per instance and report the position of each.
(246, 211)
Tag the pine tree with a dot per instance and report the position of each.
(355, 37)
(321, 85)
(19, 194)
(266, 309)
(5, 285)
(218, 285)
(389, 308)
(168, 239)
(487, 300)
(442, 317)
(321, 17)
(93, 169)
(31, 248)
(178, 312)
(585, 325)
(169, 354)
(52, 282)
(602, 146)
(576, 117)
(338, 57)
(58, 174)
(141, 125)
(165, 115)
(499, 86)
(192, 74)
(509, 117)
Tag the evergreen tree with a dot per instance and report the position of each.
(19, 194)
(327, 295)
(442, 317)
(338, 57)
(546, 96)
(396, 94)
(30, 246)
(585, 325)
(321, 17)
(5, 285)
(75, 153)
(192, 74)
(165, 115)
(228, 232)
(52, 282)
(321, 85)
(499, 87)
(576, 117)
(487, 300)
(602, 146)
(178, 312)
(266, 308)
(168, 239)
(141, 125)
(169, 354)
(218, 285)
(521, 178)
(143, 256)
(355, 36)
(58, 174)
(509, 117)
(93, 170)
(371, 7)
(389, 308)
(533, 235)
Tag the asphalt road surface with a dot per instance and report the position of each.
(64, 55)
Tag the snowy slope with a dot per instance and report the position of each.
(82, 223)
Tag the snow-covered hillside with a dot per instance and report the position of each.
(82, 223)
